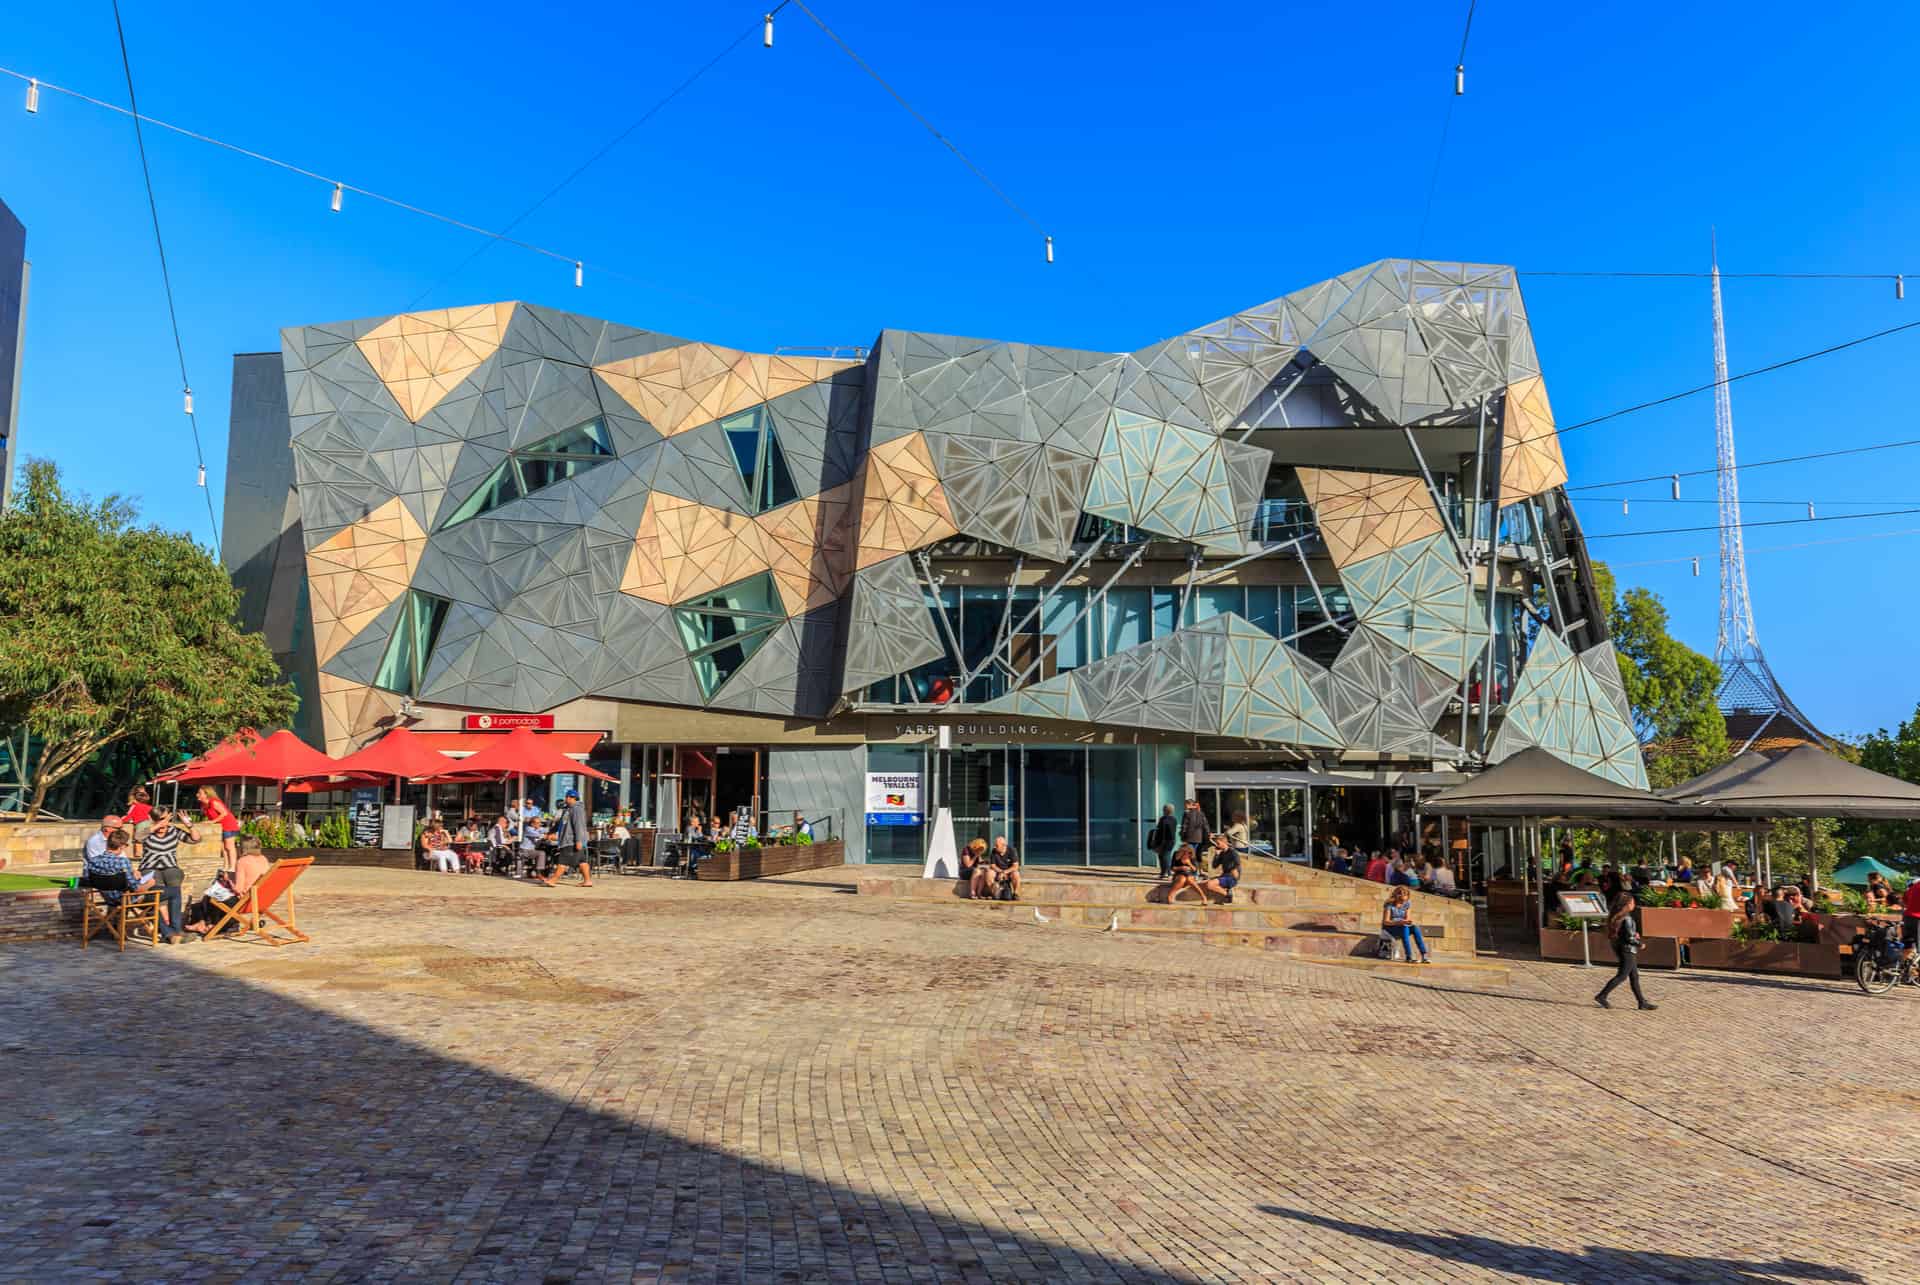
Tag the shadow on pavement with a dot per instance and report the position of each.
(168, 1122)
(1594, 1263)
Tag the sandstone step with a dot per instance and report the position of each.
(1197, 918)
(1337, 949)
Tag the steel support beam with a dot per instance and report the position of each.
(1073, 569)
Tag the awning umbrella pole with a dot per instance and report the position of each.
(1813, 867)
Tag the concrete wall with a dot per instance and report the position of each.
(820, 780)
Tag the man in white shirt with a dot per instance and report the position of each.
(1443, 880)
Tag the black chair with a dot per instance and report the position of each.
(629, 854)
(605, 853)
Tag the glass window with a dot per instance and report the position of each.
(1068, 645)
(1263, 608)
(412, 643)
(981, 610)
(724, 628)
(765, 480)
(1115, 834)
(1210, 600)
(1052, 790)
(1127, 623)
(902, 843)
(1166, 608)
(539, 464)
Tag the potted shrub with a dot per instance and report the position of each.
(1684, 913)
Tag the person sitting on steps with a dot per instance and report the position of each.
(975, 871)
(1396, 921)
(1184, 874)
(1005, 861)
(1226, 864)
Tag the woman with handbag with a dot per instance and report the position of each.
(1624, 932)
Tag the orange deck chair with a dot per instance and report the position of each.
(256, 905)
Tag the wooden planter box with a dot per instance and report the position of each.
(37, 914)
(773, 859)
(1840, 930)
(1508, 899)
(381, 858)
(1667, 921)
(1564, 943)
(1812, 959)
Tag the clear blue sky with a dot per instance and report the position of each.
(1188, 161)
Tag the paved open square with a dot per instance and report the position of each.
(474, 1079)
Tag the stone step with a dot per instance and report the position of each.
(1193, 917)
(1335, 948)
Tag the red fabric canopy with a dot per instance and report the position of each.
(277, 758)
(240, 740)
(522, 751)
(400, 752)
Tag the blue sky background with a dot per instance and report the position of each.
(1189, 163)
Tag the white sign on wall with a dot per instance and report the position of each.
(893, 798)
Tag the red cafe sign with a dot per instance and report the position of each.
(507, 722)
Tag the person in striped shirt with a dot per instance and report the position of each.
(160, 858)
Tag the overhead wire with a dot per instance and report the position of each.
(1446, 127)
(166, 278)
(600, 154)
(927, 124)
(1778, 548)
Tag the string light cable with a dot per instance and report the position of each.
(1778, 548)
(601, 153)
(1446, 127)
(166, 278)
(926, 124)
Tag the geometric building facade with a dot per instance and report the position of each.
(1325, 534)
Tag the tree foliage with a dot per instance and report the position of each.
(113, 632)
(1896, 753)
(1670, 686)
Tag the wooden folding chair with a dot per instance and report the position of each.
(257, 904)
(136, 910)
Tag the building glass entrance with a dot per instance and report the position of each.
(1061, 805)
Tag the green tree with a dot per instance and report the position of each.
(1896, 753)
(1670, 686)
(116, 633)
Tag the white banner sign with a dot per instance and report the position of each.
(893, 798)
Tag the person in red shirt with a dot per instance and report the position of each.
(1377, 868)
(214, 810)
(1910, 921)
(139, 807)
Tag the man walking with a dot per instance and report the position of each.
(571, 843)
(1162, 842)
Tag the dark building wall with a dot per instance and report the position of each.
(260, 535)
(13, 310)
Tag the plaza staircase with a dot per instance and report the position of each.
(1278, 909)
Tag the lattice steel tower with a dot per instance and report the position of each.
(1750, 696)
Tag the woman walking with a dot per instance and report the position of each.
(1625, 935)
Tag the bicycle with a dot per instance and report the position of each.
(1880, 961)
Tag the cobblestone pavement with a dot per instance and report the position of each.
(479, 1080)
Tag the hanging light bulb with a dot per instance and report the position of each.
(1899, 286)
(1623, 507)
(1676, 486)
(579, 274)
(203, 475)
(1696, 566)
(186, 396)
(766, 40)
(1459, 78)
(33, 96)
(1810, 517)
(1049, 249)
(338, 193)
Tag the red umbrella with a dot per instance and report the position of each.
(277, 758)
(398, 753)
(239, 741)
(522, 751)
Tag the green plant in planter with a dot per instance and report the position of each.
(803, 840)
(750, 842)
(1568, 923)
(1756, 931)
(333, 831)
(723, 845)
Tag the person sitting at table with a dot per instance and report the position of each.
(109, 872)
(1879, 891)
(1726, 886)
(1684, 875)
(438, 845)
(1443, 880)
(1183, 874)
(1337, 863)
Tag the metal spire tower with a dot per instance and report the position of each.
(1750, 696)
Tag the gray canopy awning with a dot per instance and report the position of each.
(1533, 783)
(1803, 782)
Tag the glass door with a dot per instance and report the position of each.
(981, 794)
(1053, 795)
